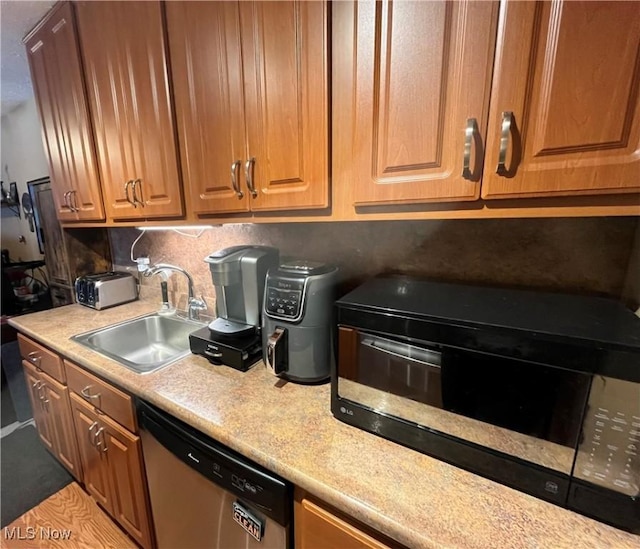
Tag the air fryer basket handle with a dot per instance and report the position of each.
(277, 351)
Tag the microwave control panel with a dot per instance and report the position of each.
(609, 452)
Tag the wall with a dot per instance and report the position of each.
(23, 155)
(584, 255)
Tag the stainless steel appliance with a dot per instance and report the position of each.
(238, 275)
(538, 391)
(297, 321)
(103, 290)
(205, 495)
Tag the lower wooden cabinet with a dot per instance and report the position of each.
(318, 527)
(52, 415)
(112, 461)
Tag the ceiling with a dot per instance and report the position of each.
(17, 17)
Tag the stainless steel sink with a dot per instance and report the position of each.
(143, 344)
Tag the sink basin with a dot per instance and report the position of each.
(143, 344)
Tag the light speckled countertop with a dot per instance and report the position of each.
(289, 428)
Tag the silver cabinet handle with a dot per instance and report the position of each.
(45, 400)
(98, 443)
(507, 120)
(86, 393)
(34, 357)
(235, 168)
(66, 200)
(74, 207)
(469, 136)
(92, 436)
(248, 173)
(134, 192)
(126, 193)
(103, 440)
(37, 386)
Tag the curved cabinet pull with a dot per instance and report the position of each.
(248, 173)
(92, 436)
(507, 121)
(103, 440)
(86, 393)
(99, 440)
(126, 193)
(469, 137)
(235, 169)
(74, 207)
(35, 358)
(43, 396)
(66, 200)
(134, 192)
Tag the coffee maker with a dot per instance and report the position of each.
(238, 275)
(297, 320)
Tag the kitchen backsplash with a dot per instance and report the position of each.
(581, 255)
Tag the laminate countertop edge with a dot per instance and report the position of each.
(288, 428)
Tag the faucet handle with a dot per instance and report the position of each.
(195, 306)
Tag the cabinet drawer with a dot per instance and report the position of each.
(41, 358)
(100, 394)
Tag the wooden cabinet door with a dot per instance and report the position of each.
(56, 72)
(569, 72)
(34, 385)
(414, 76)
(206, 66)
(92, 457)
(285, 57)
(63, 433)
(319, 527)
(127, 481)
(123, 46)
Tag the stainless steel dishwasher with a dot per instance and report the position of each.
(205, 495)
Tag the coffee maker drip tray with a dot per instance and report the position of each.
(237, 352)
(229, 328)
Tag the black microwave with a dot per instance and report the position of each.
(538, 391)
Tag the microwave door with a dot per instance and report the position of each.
(401, 369)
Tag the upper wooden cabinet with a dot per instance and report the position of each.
(564, 104)
(420, 73)
(123, 47)
(251, 94)
(56, 73)
(416, 82)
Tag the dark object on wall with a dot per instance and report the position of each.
(27, 207)
(36, 187)
(69, 253)
(10, 199)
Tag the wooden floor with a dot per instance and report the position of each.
(70, 514)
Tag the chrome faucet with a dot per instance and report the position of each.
(194, 305)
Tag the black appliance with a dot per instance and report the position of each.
(538, 391)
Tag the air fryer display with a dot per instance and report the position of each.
(284, 303)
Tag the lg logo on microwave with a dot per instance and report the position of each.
(346, 411)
